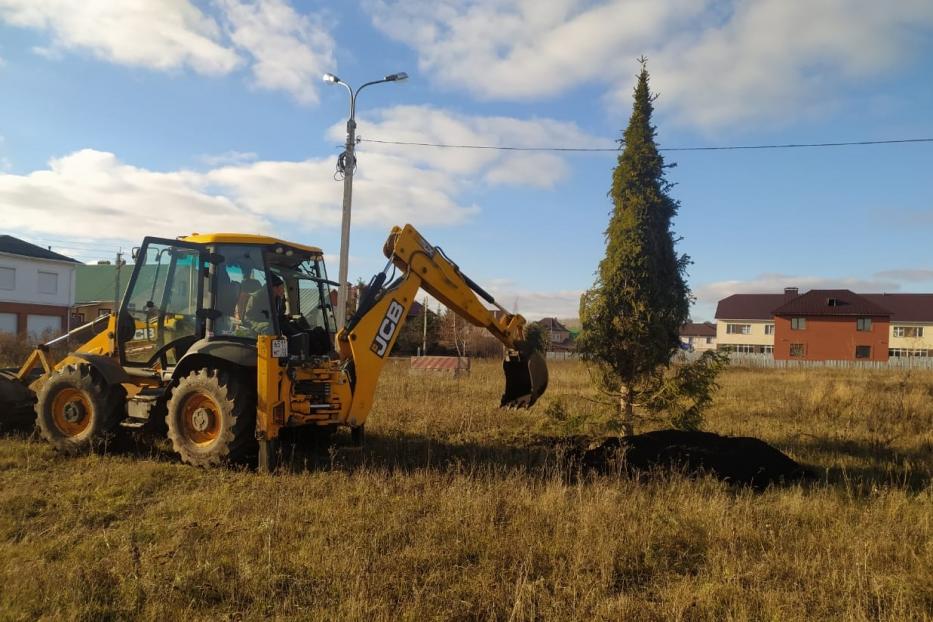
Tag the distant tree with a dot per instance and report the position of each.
(632, 315)
(412, 333)
(538, 336)
(453, 333)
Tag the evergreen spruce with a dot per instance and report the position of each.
(632, 316)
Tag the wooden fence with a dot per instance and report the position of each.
(767, 361)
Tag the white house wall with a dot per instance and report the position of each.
(756, 336)
(912, 343)
(26, 281)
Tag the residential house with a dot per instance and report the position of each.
(698, 337)
(97, 287)
(37, 288)
(827, 325)
(911, 328)
(745, 322)
(831, 325)
(560, 339)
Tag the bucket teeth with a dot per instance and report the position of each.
(526, 379)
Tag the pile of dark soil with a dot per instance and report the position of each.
(736, 459)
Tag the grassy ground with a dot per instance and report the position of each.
(456, 510)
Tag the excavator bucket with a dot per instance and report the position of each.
(14, 394)
(525, 379)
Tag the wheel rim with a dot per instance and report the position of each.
(71, 411)
(200, 419)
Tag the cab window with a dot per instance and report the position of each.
(242, 295)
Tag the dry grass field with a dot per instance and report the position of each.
(457, 510)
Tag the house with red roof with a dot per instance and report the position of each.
(827, 325)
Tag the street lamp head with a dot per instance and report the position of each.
(329, 77)
(396, 77)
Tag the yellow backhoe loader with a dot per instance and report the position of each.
(230, 338)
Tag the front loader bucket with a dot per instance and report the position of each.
(14, 394)
(525, 379)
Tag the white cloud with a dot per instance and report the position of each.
(386, 192)
(228, 157)
(93, 194)
(709, 294)
(772, 58)
(534, 304)
(426, 124)
(911, 275)
(5, 163)
(160, 34)
(714, 63)
(290, 50)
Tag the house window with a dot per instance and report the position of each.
(769, 329)
(709, 340)
(798, 323)
(7, 278)
(48, 283)
(908, 331)
(798, 350)
(863, 352)
(908, 353)
(738, 329)
(863, 324)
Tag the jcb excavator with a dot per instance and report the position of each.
(230, 339)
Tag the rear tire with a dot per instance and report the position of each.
(211, 417)
(76, 410)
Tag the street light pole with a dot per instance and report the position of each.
(346, 163)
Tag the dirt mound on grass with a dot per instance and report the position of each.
(736, 459)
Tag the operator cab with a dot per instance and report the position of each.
(223, 287)
(306, 315)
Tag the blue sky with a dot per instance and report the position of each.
(160, 117)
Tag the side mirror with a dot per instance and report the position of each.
(135, 252)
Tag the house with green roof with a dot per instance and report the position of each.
(97, 287)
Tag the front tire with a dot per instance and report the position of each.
(76, 410)
(211, 417)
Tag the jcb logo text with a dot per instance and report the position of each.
(387, 328)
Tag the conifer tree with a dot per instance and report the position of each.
(632, 315)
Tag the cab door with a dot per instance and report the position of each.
(162, 311)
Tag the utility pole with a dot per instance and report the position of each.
(424, 331)
(346, 163)
(116, 282)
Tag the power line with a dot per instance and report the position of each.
(603, 149)
(80, 247)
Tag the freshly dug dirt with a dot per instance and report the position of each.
(736, 459)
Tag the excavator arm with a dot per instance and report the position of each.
(370, 334)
